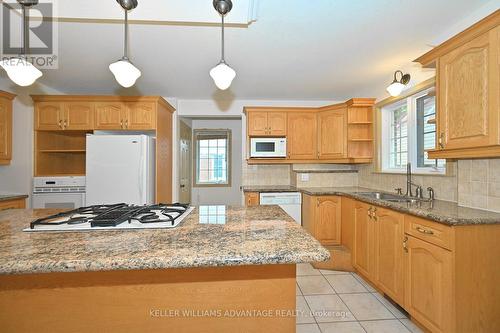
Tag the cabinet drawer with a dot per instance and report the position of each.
(12, 204)
(428, 231)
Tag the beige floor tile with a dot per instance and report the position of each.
(364, 283)
(384, 326)
(345, 283)
(330, 272)
(304, 314)
(308, 328)
(366, 307)
(411, 326)
(342, 327)
(307, 269)
(391, 307)
(297, 290)
(314, 285)
(328, 308)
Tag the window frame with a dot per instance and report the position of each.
(383, 121)
(196, 154)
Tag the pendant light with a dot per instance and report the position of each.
(222, 74)
(19, 69)
(397, 86)
(126, 74)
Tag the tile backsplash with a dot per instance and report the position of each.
(266, 174)
(479, 184)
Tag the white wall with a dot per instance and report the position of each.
(222, 195)
(17, 177)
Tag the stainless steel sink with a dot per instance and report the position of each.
(387, 197)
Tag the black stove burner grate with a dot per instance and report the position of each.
(114, 215)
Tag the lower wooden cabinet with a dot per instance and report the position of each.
(252, 199)
(428, 279)
(364, 239)
(321, 217)
(388, 258)
(13, 204)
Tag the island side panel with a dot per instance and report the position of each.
(167, 300)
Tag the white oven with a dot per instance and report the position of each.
(58, 192)
(268, 147)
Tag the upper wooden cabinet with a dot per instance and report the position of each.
(6, 127)
(261, 122)
(468, 92)
(49, 116)
(302, 135)
(110, 115)
(340, 133)
(321, 217)
(332, 133)
(78, 115)
(140, 116)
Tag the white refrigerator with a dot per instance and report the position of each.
(120, 169)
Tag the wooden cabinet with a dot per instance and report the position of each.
(13, 204)
(364, 239)
(140, 116)
(389, 235)
(321, 217)
(332, 134)
(468, 91)
(266, 123)
(252, 199)
(49, 116)
(110, 115)
(78, 116)
(428, 275)
(302, 135)
(6, 127)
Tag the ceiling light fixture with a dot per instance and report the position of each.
(397, 86)
(222, 74)
(19, 69)
(126, 74)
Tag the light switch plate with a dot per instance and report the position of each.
(304, 177)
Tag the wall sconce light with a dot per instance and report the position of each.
(397, 86)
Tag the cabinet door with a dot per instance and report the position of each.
(276, 122)
(332, 134)
(110, 116)
(252, 199)
(389, 234)
(49, 116)
(5, 130)
(141, 116)
(328, 220)
(302, 135)
(79, 116)
(363, 240)
(428, 284)
(257, 123)
(468, 86)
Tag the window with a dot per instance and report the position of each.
(408, 130)
(212, 157)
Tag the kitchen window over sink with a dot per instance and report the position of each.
(212, 157)
(408, 130)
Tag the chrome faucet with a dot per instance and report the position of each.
(409, 183)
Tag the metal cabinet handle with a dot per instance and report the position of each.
(60, 123)
(424, 231)
(441, 140)
(65, 123)
(121, 123)
(405, 244)
(126, 123)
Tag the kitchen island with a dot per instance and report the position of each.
(231, 269)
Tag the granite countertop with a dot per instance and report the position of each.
(6, 197)
(238, 236)
(445, 212)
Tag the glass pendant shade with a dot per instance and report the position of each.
(395, 89)
(223, 75)
(126, 74)
(21, 71)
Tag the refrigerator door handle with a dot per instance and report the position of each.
(141, 171)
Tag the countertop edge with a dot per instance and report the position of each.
(7, 197)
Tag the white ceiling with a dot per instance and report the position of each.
(296, 49)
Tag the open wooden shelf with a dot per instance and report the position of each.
(360, 140)
(360, 123)
(62, 151)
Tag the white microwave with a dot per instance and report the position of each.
(268, 147)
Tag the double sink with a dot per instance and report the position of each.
(389, 197)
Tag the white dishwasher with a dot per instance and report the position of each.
(290, 202)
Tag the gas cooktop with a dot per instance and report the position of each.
(113, 217)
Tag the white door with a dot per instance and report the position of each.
(116, 169)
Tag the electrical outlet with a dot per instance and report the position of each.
(304, 177)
